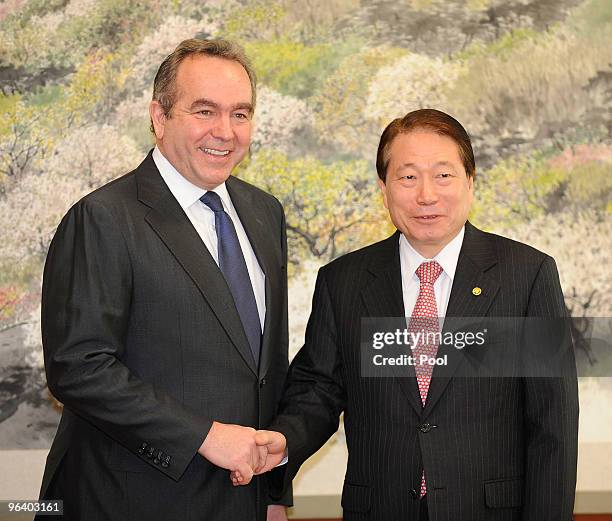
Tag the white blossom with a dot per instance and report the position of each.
(83, 161)
(133, 108)
(301, 288)
(580, 245)
(277, 118)
(39, 201)
(412, 82)
(46, 25)
(161, 42)
(32, 342)
(94, 155)
(80, 7)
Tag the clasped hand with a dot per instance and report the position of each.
(243, 450)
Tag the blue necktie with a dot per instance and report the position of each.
(234, 269)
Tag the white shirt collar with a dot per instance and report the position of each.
(185, 192)
(447, 258)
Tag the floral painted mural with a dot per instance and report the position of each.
(530, 79)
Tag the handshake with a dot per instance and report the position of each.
(243, 450)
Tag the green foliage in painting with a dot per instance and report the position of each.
(517, 190)
(96, 85)
(259, 20)
(590, 186)
(499, 48)
(538, 88)
(592, 17)
(341, 103)
(293, 68)
(7, 107)
(330, 208)
(56, 38)
(33, 125)
(532, 87)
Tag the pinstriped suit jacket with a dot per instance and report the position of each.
(503, 449)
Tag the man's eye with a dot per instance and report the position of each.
(241, 115)
(408, 177)
(444, 175)
(205, 112)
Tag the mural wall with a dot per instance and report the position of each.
(530, 79)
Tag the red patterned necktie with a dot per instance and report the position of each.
(425, 321)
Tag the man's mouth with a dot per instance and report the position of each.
(215, 152)
(427, 217)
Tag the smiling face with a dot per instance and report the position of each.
(427, 191)
(208, 130)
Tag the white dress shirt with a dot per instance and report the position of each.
(203, 219)
(410, 260)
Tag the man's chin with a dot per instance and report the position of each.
(208, 178)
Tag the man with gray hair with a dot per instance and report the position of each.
(164, 315)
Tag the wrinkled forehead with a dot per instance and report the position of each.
(424, 148)
(222, 80)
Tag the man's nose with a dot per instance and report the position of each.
(223, 128)
(427, 192)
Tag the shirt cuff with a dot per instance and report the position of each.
(284, 460)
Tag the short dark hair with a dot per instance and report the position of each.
(164, 85)
(431, 120)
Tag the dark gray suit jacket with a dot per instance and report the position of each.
(144, 347)
(502, 448)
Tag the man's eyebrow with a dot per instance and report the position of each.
(244, 106)
(204, 102)
(443, 163)
(406, 166)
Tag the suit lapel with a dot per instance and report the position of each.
(382, 297)
(170, 223)
(263, 243)
(477, 256)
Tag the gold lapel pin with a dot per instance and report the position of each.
(476, 291)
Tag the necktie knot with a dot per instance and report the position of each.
(213, 201)
(428, 272)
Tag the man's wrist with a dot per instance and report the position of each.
(202, 448)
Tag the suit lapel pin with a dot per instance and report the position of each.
(476, 291)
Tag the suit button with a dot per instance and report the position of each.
(413, 493)
(142, 448)
(166, 462)
(158, 458)
(426, 427)
(262, 383)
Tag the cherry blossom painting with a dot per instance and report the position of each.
(530, 79)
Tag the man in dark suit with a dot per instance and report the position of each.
(165, 315)
(444, 447)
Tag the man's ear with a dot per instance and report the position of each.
(383, 189)
(158, 118)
